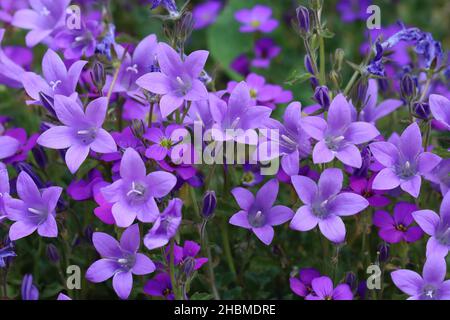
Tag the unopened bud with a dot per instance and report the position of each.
(52, 253)
(408, 87)
(422, 110)
(209, 204)
(303, 21)
(322, 96)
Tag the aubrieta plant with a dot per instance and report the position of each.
(196, 150)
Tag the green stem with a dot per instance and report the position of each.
(322, 61)
(227, 248)
(427, 135)
(172, 270)
(212, 277)
(351, 83)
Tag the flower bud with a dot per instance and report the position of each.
(209, 204)
(47, 102)
(322, 96)
(303, 20)
(185, 26)
(189, 266)
(422, 110)
(40, 156)
(350, 279)
(383, 252)
(98, 75)
(407, 87)
(52, 253)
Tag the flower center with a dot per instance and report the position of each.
(334, 143)
(444, 236)
(255, 23)
(183, 85)
(235, 123)
(401, 227)
(257, 219)
(165, 143)
(39, 215)
(248, 177)
(253, 93)
(320, 209)
(54, 84)
(45, 12)
(127, 262)
(407, 170)
(87, 136)
(133, 68)
(429, 292)
(138, 193)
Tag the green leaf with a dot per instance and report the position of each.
(201, 296)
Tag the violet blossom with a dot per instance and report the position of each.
(323, 289)
(258, 18)
(10, 71)
(301, 285)
(81, 130)
(34, 211)
(163, 142)
(205, 14)
(440, 108)
(404, 163)
(324, 204)
(134, 194)
(160, 286)
(352, 10)
(258, 213)
(119, 260)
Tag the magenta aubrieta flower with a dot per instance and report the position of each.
(34, 211)
(301, 285)
(178, 80)
(438, 227)
(258, 18)
(134, 194)
(57, 79)
(323, 289)
(205, 14)
(440, 108)
(394, 229)
(119, 260)
(258, 214)
(265, 51)
(166, 226)
(338, 136)
(81, 130)
(324, 205)
(160, 286)
(363, 187)
(404, 163)
(44, 17)
(163, 141)
(429, 286)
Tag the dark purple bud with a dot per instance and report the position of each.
(88, 232)
(138, 128)
(360, 94)
(362, 290)
(185, 26)
(52, 253)
(189, 266)
(40, 156)
(23, 166)
(303, 20)
(422, 110)
(350, 279)
(383, 84)
(47, 102)
(407, 87)
(322, 96)
(29, 290)
(308, 64)
(383, 252)
(98, 75)
(209, 204)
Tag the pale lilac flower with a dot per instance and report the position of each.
(178, 80)
(259, 214)
(240, 115)
(338, 136)
(440, 108)
(34, 211)
(41, 19)
(429, 286)
(119, 260)
(28, 290)
(134, 66)
(324, 204)
(439, 175)
(404, 163)
(57, 79)
(9, 7)
(10, 72)
(81, 130)
(166, 226)
(292, 141)
(394, 229)
(323, 289)
(371, 111)
(4, 189)
(134, 194)
(438, 227)
(205, 14)
(9, 146)
(258, 18)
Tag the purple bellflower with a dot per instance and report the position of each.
(81, 130)
(189, 251)
(338, 136)
(119, 260)
(4, 189)
(34, 211)
(178, 80)
(57, 79)
(9, 147)
(258, 18)
(404, 163)
(398, 228)
(324, 205)
(10, 72)
(134, 194)
(429, 286)
(323, 290)
(440, 108)
(438, 227)
(258, 213)
(165, 227)
(41, 19)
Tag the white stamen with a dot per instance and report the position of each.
(180, 81)
(235, 123)
(407, 165)
(287, 139)
(122, 261)
(45, 12)
(82, 132)
(133, 68)
(54, 84)
(339, 139)
(32, 210)
(134, 190)
(79, 38)
(429, 293)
